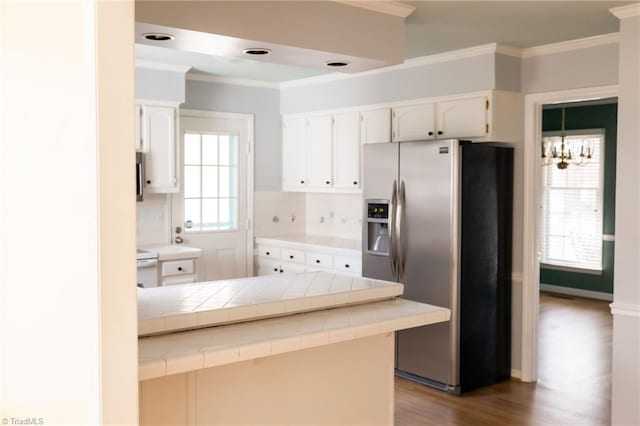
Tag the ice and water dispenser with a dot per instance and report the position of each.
(378, 227)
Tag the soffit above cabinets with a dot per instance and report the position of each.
(301, 34)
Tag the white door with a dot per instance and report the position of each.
(346, 150)
(319, 148)
(211, 209)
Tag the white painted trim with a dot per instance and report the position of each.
(625, 309)
(531, 265)
(599, 295)
(249, 118)
(388, 7)
(517, 277)
(516, 373)
(566, 46)
(161, 66)
(628, 11)
(608, 237)
(233, 81)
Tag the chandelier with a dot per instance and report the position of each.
(559, 151)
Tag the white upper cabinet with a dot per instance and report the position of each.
(414, 122)
(463, 118)
(376, 126)
(159, 143)
(346, 150)
(294, 153)
(319, 154)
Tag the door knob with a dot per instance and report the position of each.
(178, 239)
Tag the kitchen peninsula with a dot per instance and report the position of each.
(304, 348)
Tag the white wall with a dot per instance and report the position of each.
(68, 335)
(160, 85)
(435, 79)
(625, 375)
(264, 104)
(279, 213)
(587, 67)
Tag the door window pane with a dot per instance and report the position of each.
(211, 182)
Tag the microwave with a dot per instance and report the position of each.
(139, 176)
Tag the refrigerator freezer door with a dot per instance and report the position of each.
(429, 173)
(380, 171)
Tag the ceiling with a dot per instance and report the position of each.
(436, 27)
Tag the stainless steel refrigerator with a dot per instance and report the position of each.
(438, 218)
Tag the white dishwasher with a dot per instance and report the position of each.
(147, 268)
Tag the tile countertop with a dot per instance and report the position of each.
(318, 242)
(173, 251)
(189, 306)
(174, 353)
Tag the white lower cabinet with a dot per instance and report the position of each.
(272, 260)
(175, 272)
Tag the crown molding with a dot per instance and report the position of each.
(388, 7)
(233, 81)
(566, 46)
(628, 11)
(152, 65)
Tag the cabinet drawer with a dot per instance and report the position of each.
(292, 255)
(268, 267)
(177, 267)
(321, 260)
(347, 264)
(268, 251)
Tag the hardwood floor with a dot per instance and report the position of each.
(574, 376)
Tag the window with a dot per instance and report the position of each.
(210, 182)
(572, 206)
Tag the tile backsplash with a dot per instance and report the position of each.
(154, 219)
(279, 213)
(334, 215)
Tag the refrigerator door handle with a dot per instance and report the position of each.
(392, 233)
(400, 237)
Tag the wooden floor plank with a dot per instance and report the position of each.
(574, 378)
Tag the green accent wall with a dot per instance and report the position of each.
(590, 117)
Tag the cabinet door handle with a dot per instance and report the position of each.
(275, 269)
(281, 271)
(179, 268)
(355, 182)
(290, 256)
(430, 133)
(317, 260)
(327, 182)
(440, 132)
(302, 182)
(346, 266)
(148, 182)
(268, 253)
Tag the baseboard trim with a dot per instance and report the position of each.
(577, 292)
(517, 374)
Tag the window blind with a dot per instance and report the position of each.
(572, 206)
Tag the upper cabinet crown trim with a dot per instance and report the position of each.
(389, 7)
(162, 66)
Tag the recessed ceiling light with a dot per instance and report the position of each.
(257, 51)
(158, 36)
(336, 64)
